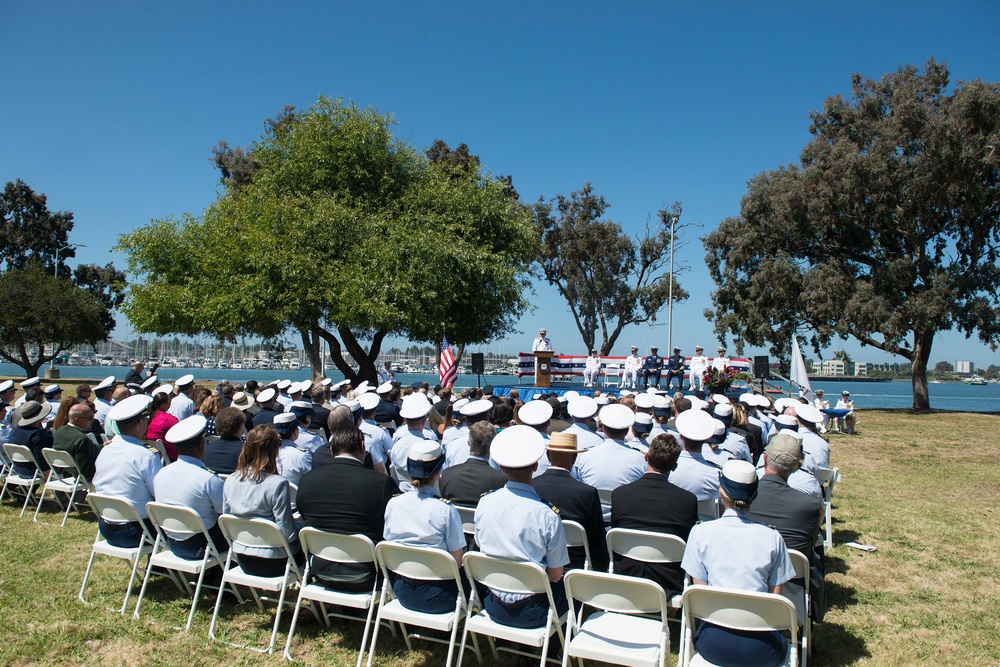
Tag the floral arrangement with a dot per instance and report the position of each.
(719, 382)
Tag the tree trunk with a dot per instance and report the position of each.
(311, 345)
(922, 340)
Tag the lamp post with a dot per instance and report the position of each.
(670, 293)
(55, 274)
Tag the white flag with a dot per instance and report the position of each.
(799, 376)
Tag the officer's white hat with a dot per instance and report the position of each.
(105, 383)
(808, 413)
(325, 382)
(459, 404)
(384, 388)
(739, 480)
(294, 388)
(52, 390)
(582, 407)
(697, 403)
(720, 398)
(163, 389)
(302, 405)
(369, 401)
(474, 408)
(362, 388)
(723, 411)
(423, 459)
(150, 381)
(602, 400)
(788, 421)
(616, 417)
(341, 384)
(535, 413)
(284, 384)
(643, 423)
(784, 402)
(517, 446)
(184, 380)
(266, 395)
(186, 430)
(284, 422)
(415, 406)
(696, 425)
(306, 385)
(6, 385)
(33, 412)
(625, 392)
(31, 382)
(130, 408)
(644, 401)
(571, 394)
(661, 402)
(747, 398)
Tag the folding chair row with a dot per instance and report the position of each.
(64, 477)
(21, 454)
(828, 478)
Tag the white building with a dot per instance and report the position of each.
(965, 367)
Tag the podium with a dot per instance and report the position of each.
(543, 368)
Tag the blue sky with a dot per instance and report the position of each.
(112, 108)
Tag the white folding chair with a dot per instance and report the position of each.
(708, 509)
(736, 610)
(161, 448)
(828, 478)
(72, 481)
(468, 515)
(801, 600)
(508, 576)
(621, 632)
(21, 454)
(422, 564)
(339, 549)
(576, 536)
(613, 375)
(181, 521)
(258, 533)
(116, 509)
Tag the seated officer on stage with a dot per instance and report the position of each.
(127, 468)
(653, 365)
(515, 523)
(188, 482)
(675, 369)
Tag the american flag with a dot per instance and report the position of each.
(448, 372)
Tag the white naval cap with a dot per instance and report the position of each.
(474, 408)
(293, 388)
(369, 401)
(534, 413)
(284, 384)
(695, 425)
(459, 404)
(723, 410)
(517, 446)
(266, 395)
(184, 381)
(188, 429)
(105, 383)
(602, 400)
(306, 385)
(362, 388)
(415, 406)
(644, 401)
(325, 382)
(720, 398)
(6, 385)
(31, 382)
(383, 388)
(582, 407)
(163, 389)
(571, 394)
(52, 390)
(616, 417)
(130, 408)
(808, 413)
(150, 381)
(784, 402)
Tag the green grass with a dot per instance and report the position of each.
(919, 487)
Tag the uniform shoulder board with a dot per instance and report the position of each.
(211, 471)
(808, 472)
(302, 449)
(486, 493)
(636, 449)
(446, 501)
(153, 449)
(551, 506)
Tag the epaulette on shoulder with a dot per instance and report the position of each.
(153, 449)
(636, 449)
(486, 493)
(446, 501)
(211, 471)
(551, 506)
(302, 449)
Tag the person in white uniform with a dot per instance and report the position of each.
(721, 361)
(541, 344)
(633, 363)
(582, 409)
(614, 462)
(592, 370)
(293, 461)
(734, 552)
(182, 406)
(699, 363)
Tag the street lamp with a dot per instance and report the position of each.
(55, 274)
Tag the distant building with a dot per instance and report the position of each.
(864, 368)
(964, 367)
(837, 367)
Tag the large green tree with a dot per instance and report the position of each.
(608, 279)
(48, 308)
(344, 234)
(888, 230)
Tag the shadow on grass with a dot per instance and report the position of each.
(835, 565)
(835, 646)
(839, 596)
(843, 535)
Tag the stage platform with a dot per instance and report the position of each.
(527, 392)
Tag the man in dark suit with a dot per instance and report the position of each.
(319, 413)
(794, 514)
(652, 503)
(575, 500)
(465, 483)
(347, 498)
